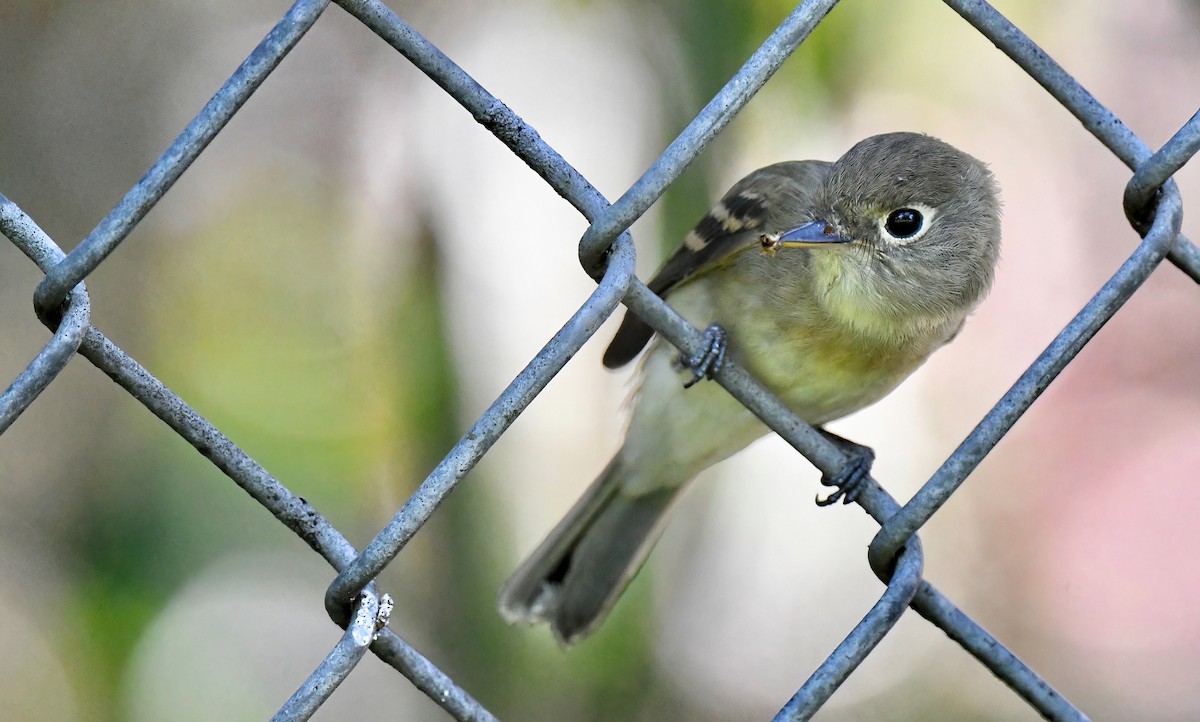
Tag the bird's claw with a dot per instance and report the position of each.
(709, 361)
(848, 481)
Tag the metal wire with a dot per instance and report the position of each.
(116, 226)
(710, 121)
(68, 334)
(1151, 201)
(862, 640)
(338, 664)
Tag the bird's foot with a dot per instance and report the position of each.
(708, 362)
(848, 480)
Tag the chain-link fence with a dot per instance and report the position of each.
(1152, 205)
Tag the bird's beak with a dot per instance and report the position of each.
(811, 235)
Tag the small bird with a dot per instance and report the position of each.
(830, 283)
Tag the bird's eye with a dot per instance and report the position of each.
(904, 223)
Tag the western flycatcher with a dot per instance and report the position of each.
(830, 283)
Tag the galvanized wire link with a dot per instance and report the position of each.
(288, 508)
(703, 128)
(1150, 176)
(337, 665)
(498, 417)
(116, 226)
(1151, 200)
(946, 480)
(49, 362)
(291, 510)
(862, 640)
(1110, 130)
(69, 328)
(1099, 121)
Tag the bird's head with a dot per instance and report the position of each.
(909, 226)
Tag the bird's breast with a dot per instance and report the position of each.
(822, 367)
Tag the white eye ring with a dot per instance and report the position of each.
(892, 225)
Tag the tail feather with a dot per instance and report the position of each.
(574, 577)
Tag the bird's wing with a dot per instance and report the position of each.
(777, 194)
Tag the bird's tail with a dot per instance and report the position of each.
(574, 577)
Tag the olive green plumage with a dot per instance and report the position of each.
(874, 262)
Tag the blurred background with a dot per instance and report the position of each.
(354, 270)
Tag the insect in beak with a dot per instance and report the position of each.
(814, 234)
